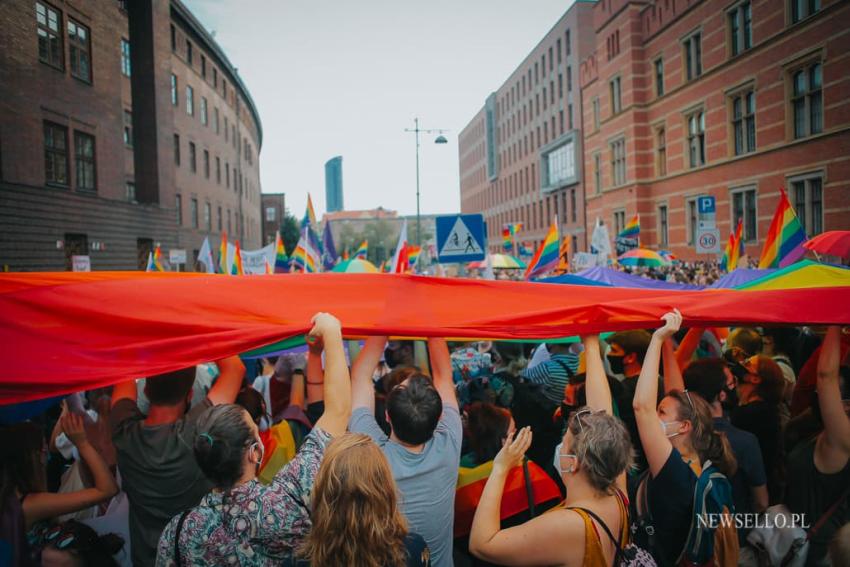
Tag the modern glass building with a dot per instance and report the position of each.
(333, 185)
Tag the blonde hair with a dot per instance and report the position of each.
(356, 520)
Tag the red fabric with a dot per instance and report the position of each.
(63, 333)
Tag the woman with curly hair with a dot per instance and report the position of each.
(356, 520)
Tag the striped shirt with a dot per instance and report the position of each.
(553, 375)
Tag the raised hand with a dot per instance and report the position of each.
(672, 322)
(324, 324)
(513, 450)
(72, 425)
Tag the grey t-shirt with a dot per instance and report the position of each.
(426, 480)
(158, 472)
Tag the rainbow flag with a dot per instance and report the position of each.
(515, 228)
(785, 238)
(507, 237)
(734, 249)
(362, 250)
(632, 229)
(269, 268)
(546, 258)
(305, 258)
(236, 267)
(155, 261)
(281, 260)
(222, 255)
(309, 215)
(413, 254)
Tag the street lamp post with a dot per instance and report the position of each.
(440, 139)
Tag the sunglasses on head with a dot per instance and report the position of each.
(63, 537)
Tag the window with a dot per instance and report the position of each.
(79, 51)
(227, 175)
(193, 212)
(740, 28)
(190, 101)
(659, 76)
(226, 130)
(661, 152)
(271, 214)
(744, 207)
(215, 78)
(802, 9)
(84, 161)
(807, 100)
(559, 166)
(179, 209)
(618, 161)
(125, 57)
(596, 113)
(616, 99)
(176, 149)
(130, 189)
(807, 195)
(696, 138)
(174, 89)
(572, 205)
(219, 219)
(208, 216)
(50, 49)
(203, 67)
(218, 170)
(193, 164)
(597, 173)
(560, 85)
(128, 128)
(204, 116)
(224, 89)
(215, 115)
(619, 221)
(570, 115)
(207, 164)
(693, 220)
(173, 38)
(567, 43)
(662, 225)
(189, 52)
(692, 54)
(233, 134)
(229, 224)
(744, 122)
(558, 49)
(569, 79)
(55, 154)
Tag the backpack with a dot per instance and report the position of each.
(712, 499)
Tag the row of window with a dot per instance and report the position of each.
(190, 60)
(538, 137)
(207, 223)
(805, 192)
(806, 107)
(240, 184)
(525, 84)
(230, 134)
(539, 215)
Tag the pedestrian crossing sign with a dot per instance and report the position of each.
(460, 238)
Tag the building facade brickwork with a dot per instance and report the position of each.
(88, 161)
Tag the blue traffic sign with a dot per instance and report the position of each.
(706, 205)
(460, 238)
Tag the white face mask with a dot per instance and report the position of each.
(664, 425)
(557, 460)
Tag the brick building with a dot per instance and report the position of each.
(730, 99)
(122, 125)
(520, 156)
(273, 207)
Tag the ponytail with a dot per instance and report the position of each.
(709, 444)
(720, 453)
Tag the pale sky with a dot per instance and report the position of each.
(346, 77)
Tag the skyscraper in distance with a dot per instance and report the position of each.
(333, 184)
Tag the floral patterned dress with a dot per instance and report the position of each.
(253, 524)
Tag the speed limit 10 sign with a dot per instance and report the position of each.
(708, 241)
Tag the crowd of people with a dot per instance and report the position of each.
(663, 447)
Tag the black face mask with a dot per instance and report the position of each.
(616, 363)
(731, 401)
(390, 358)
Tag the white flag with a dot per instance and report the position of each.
(399, 265)
(205, 256)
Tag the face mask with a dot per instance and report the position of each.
(557, 460)
(664, 425)
(390, 358)
(616, 363)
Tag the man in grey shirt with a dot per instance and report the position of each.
(424, 444)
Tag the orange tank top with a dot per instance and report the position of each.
(593, 554)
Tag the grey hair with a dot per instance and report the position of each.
(602, 446)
